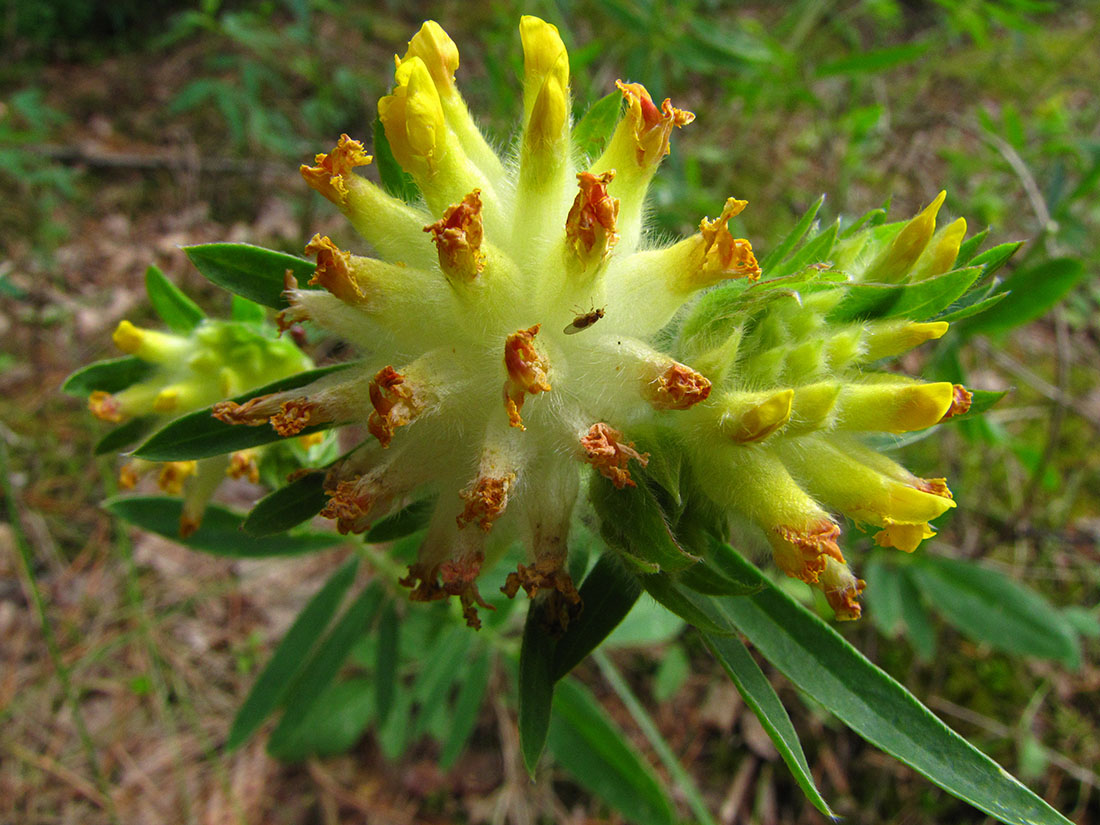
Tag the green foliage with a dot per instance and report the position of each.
(249, 271)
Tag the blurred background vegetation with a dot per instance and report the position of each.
(129, 128)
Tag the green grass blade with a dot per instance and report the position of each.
(386, 661)
(272, 683)
(762, 699)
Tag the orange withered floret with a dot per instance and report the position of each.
(961, 399)
(328, 173)
(294, 416)
(678, 387)
(527, 372)
(242, 464)
(564, 603)
(334, 270)
(935, 486)
(604, 449)
(802, 552)
(105, 407)
(842, 590)
(173, 474)
(652, 126)
(458, 235)
(590, 224)
(394, 404)
(725, 256)
(454, 577)
(485, 500)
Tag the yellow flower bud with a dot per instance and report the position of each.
(413, 118)
(544, 54)
(752, 417)
(898, 258)
(887, 339)
(892, 407)
(438, 52)
(940, 254)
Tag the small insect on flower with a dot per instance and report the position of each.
(584, 321)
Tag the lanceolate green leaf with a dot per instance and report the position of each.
(200, 435)
(178, 312)
(974, 308)
(250, 271)
(272, 683)
(832, 672)
(592, 131)
(632, 520)
(466, 708)
(988, 606)
(914, 301)
(288, 506)
(969, 248)
(109, 376)
(688, 606)
(815, 250)
(594, 750)
(334, 723)
(396, 180)
(1033, 292)
(994, 258)
(386, 660)
(318, 673)
(761, 697)
(783, 249)
(536, 686)
(220, 533)
(124, 435)
(608, 592)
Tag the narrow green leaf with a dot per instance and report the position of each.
(594, 130)
(632, 520)
(883, 595)
(200, 435)
(689, 606)
(321, 669)
(815, 250)
(974, 308)
(990, 607)
(124, 435)
(109, 376)
(220, 533)
(914, 301)
(594, 750)
(249, 312)
(876, 60)
(272, 683)
(995, 257)
(332, 725)
(832, 672)
(393, 736)
(395, 180)
(783, 249)
(1033, 292)
(607, 593)
(536, 686)
(386, 661)
(969, 248)
(919, 629)
(288, 506)
(402, 523)
(447, 658)
(762, 699)
(178, 312)
(249, 271)
(466, 708)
